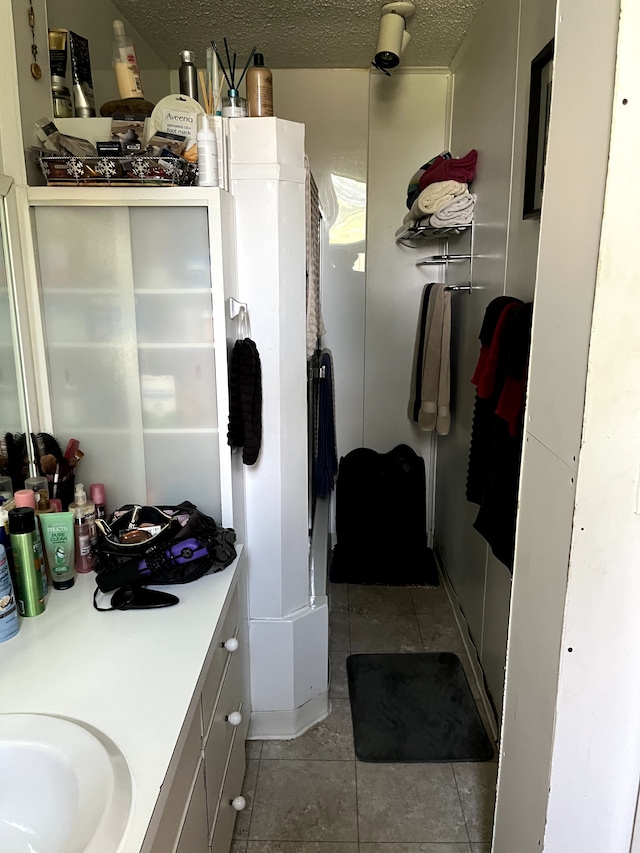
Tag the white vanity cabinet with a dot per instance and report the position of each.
(195, 812)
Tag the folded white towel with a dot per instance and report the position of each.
(458, 211)
(435, 196)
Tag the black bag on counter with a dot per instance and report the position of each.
(183, 545)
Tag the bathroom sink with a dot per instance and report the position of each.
(64, 788)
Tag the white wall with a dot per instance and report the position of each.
(490, 113)
(333, 104)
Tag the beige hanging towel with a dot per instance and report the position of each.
(436, 369)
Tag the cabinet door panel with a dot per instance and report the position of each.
(226, 815)
(194, 837)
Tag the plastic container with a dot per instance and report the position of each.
(207, 152)
(27, 499)
(259, 88)
(9, 622)
(6, 488)
(26, 560)
(86, 536)
(98, 496)
(125, 64)
(5, 539)
(58, 532)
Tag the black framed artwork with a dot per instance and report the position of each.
(538, 131)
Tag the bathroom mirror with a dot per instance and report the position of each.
(13, 410)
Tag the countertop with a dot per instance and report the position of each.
(129, 674)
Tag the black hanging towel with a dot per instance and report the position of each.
(325, 457)
(245, 400)
(381, 520)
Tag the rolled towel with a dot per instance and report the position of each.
(434, 197)
(459, 211)
(461, 169)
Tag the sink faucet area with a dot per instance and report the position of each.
(63, 787)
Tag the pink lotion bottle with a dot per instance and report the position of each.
(97, 495)
(84, 515)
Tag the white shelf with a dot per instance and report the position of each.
(427, 232)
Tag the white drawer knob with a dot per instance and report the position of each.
(239, 803)
(235, 718)
(231, 645)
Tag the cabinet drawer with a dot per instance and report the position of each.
(194, 837)
(232, 787)
(176, 802)
(211, 685)
(222, 731)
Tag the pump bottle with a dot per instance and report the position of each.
(259, 88)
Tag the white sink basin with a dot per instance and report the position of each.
(63, 788)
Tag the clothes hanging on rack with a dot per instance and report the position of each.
(325, 456)
(245, 400)
(430, 380)
(497, 430)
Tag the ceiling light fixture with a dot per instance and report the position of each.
(393, 36)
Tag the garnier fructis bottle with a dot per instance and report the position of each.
(28, 498)
(26, 561)
(9, 622)
(86, 536)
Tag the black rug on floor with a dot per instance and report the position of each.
(414, 708)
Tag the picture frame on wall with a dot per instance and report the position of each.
(538, 130)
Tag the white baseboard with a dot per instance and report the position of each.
(285, 725)
(472, 652)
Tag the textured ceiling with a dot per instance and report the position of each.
(298, 33)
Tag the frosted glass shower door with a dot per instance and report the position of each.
(86, 282)
(127, 303)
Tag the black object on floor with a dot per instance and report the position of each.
(414, 708)
(381, 520)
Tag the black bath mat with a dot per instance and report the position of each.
(414, 708)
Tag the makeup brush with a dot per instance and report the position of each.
(51, 469)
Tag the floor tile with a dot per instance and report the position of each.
(238, 846)
(426, 600)
(329, 740)
(409, 802)
(243, 818)
(481, 848)
(305, 801)
(339, 685)
(440, 633)
(339, 597)
(477, 788)
(415, 848)
(380, 599)
(384, 633)
(339, 632)
(253, 749)
(301, 847)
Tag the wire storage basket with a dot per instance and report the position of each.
(141, 169)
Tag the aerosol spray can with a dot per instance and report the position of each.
(9, 622)
(26, 561)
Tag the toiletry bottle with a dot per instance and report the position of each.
(43, 507)
(233, 106)
(97, 495)
(26, 498)
(207, 152)
(188, 75)
(85, 530)
(58, 532)
(5, 539)
(6, 488)
(125, 64)
(9, 622)
(29, 592)
(259, 88)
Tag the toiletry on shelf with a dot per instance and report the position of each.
(259, 88)
(5, 538)
(188, 75)
(86, 536)
(9, 622)
(125, 64)
(233, 106)
(62, 104)
(26, 560)
(58, 531)
(83, 99)
(28, 499)
(207, 152)
(6, 488)
(98, 496)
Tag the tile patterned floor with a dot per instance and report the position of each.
(310, 795)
